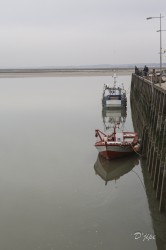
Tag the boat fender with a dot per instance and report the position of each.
(137, 147)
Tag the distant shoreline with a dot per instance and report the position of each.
(64, 72)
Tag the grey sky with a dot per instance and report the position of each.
(79, 32)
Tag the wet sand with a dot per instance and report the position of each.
(12, 73)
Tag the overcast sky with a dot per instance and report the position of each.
(38, 33)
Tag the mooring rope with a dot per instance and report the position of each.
(139, 179)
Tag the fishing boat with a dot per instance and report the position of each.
(114, 96)
(118, 144)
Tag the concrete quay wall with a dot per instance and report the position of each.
(148, 106)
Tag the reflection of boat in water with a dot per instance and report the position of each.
(113, 170)
(114, 116)
(117, 144)
(114, 96)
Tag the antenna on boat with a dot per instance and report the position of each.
(115, 77)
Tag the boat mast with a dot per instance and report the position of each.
(115, 132)
(115, 77)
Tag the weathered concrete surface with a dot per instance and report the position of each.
(148, 105)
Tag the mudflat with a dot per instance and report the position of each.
(63, 72)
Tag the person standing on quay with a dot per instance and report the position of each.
(146, 70)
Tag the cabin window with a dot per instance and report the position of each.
(119, 137)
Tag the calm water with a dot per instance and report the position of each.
(51, 196)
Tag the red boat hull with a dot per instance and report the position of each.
(113, 155)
